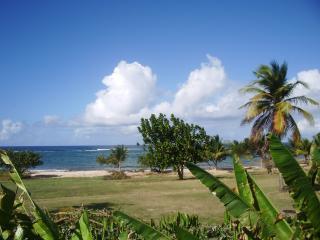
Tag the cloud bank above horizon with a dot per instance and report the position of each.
(207, 97)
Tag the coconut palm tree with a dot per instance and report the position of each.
(215, 150)
(302, 147)
(272, 106)
(117, 156)
(316, 139)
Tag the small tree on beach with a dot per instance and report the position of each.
(117, 156)
(23, 160)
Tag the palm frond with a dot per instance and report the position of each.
(308, 116)
(301, 99)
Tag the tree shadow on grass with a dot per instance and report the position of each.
(96, 206)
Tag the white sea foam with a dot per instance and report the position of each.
(97, 150)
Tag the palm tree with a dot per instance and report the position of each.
(215, 150)
(316, 139)
(117, 156)
(302, 147)
(272, 106)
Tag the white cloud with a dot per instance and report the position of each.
(9, 128)
(202, 83)
(129, 90)
(306, 129)
(49, 120)
(312, 78)
(207, 93)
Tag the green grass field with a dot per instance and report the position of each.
(145, 197)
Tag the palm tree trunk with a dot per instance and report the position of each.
(119, 166)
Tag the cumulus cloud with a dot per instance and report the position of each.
(9, 128)
(307, 129)
(312, 78)
(202, 83)
(129, 90)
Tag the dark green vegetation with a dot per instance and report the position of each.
(172, 142)
(117, 156)
(23, 160)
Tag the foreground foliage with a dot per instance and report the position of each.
(255, 212)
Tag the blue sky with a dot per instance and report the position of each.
(54, 55)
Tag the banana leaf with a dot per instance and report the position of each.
(83, 231)
(19, 234)
(272, 219)
(233, 203)
(300, 186)
(43, 225)
(315, 161)
(148, 232)
(242, 181)
(183, 234)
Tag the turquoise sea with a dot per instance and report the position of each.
(72, 158)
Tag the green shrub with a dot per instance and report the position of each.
(22, 161)
(116, 176)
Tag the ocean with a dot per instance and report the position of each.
(75, 158)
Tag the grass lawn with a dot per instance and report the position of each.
(145, 197)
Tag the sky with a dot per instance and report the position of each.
(85, 72)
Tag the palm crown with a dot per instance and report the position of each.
(272, 106)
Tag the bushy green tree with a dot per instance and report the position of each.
(117, 156)
(23, 160)
(172, 142)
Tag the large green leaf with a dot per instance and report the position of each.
(6, 205)
(19, 234)
(242, 181)
(183, 234)
(233, 203)
(269, 214)
(85, 227)
(315, 161)
(141, 228)
(299, 184)
(43, 225)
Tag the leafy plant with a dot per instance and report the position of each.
(117, 156)
(253, 204)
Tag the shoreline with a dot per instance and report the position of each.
(130, 173)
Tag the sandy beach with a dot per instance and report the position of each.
(99, 173)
